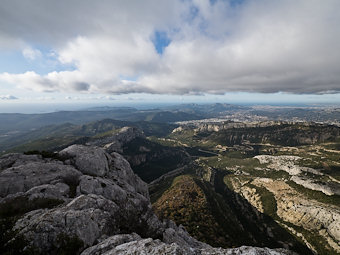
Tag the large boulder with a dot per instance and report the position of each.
(23, 177)
(90, 161)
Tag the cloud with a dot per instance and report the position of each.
(7, 97)
(86, 98)
(31, 54)
(110, 98)
(45, 98)
(256, 46)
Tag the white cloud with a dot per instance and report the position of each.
(45, 98)
(86, 98)
(259, 46)
(7, 97)
(110, 98)
(31, 54)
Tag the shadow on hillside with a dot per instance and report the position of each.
(259, 229)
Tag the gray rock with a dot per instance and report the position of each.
(101, 186)
(53, 191)
(110, 243)
(147, 246)
(133, 244)
(88, 160)
(87, 217)
(122, 170)
(16, 159)
(179, 236)
(32, 174)
(130, 202)
(57, 192)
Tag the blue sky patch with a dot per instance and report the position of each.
(128, 78)
(15, 62)
(235, 3)
(160, 41)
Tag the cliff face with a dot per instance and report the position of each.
(276, 132)
(86, 201)
(116, 141)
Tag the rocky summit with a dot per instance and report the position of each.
(83, 200)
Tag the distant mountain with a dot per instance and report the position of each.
(25, 122)
(167, 116)
(210, 109)
(56, 136)
(13, 123)
(110, 108)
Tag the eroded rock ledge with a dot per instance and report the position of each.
(91, 201)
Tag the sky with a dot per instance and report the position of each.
(118, 51)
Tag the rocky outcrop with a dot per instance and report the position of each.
(117, 140)
(92, 202)
(27, 173)
(314, 216)
(215, 127)
(326, 188)
(286, 163)
(274, 132)
(88, 162)
(134, 244)
(299, 174)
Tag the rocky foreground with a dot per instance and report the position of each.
(83, 200)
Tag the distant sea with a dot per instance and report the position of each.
(37, 108)
(29, 108)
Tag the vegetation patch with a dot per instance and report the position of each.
(11, 242)
(316, 195)
(106, 134)
(68, 245)
(185, 203)
(268, 201)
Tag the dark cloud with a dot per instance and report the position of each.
(80, 86)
